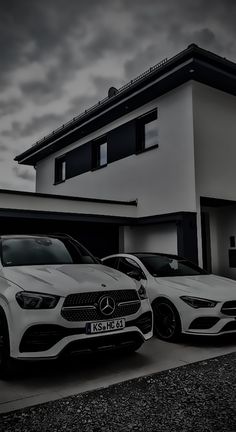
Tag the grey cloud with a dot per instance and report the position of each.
(41, 92)
(24, 173)
(169, 27)
(10, 106)
(3, 147)
(40, 31)
(77, 33)
(43, 124)
(80, 103)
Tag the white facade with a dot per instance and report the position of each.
(194, 160)
(151, 238)
(214, 142)
(162, 179)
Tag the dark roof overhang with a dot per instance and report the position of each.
(193, 63)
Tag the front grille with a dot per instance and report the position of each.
(89, 298)
(229, 308)
(84, 306)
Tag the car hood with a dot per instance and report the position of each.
(205, 286)
(70, 278)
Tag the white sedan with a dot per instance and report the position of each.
(184, 297)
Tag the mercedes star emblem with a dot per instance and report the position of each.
(107, 305)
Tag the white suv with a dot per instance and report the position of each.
(55, 298)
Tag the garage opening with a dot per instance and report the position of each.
(101, 238)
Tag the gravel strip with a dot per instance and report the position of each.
(198, 397)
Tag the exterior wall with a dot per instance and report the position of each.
(222, 226)
(36, 203)
(151, 238)
(214, 142)
(162, 179)
(214, 151)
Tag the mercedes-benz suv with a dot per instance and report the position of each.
(55, 298)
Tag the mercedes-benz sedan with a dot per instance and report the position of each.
(184, 297)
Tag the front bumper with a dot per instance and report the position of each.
(46, 334)
(206, 321)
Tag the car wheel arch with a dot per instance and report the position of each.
(3, 318)
(167, 300)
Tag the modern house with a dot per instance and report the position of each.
(149, 168)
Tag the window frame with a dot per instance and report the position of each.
(146, 118)
(58, 170)
(96, 145)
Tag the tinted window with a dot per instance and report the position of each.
(163, 266)
(102, 156)
(111, 262)
(127, 265)
(60, 170)
(43, 250)
(151, 134)
(99, 157)
(147, 131)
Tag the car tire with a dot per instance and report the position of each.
(167, 323)
(6, 362)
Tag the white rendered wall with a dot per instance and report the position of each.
(162, 179)
(214, 114)
(215, 155)
(36, 203)
(151, 238)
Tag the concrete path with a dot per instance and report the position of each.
(42, 382)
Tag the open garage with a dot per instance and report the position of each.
(95, 223)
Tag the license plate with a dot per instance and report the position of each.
(105, 326)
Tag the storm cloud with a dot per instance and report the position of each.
(59, 57)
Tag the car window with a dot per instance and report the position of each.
(164, 266)
(110, 262)
(43, 250)
(127, 265)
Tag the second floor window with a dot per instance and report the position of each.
(147, 131)
(100, 153)
(60, 170)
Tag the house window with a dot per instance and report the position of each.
(60, 170)
(147, 131)
(100, 154)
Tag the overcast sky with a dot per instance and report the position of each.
(58, 57)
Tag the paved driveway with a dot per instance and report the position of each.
(41, 382)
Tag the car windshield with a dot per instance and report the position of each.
(43, 250)
(165, 266)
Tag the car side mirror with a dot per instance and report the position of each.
(99, 260)
(135, 274)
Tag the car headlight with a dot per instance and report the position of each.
(196, 302)
(30, 300)
(142, 293)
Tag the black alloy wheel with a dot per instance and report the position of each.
(167, 325)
